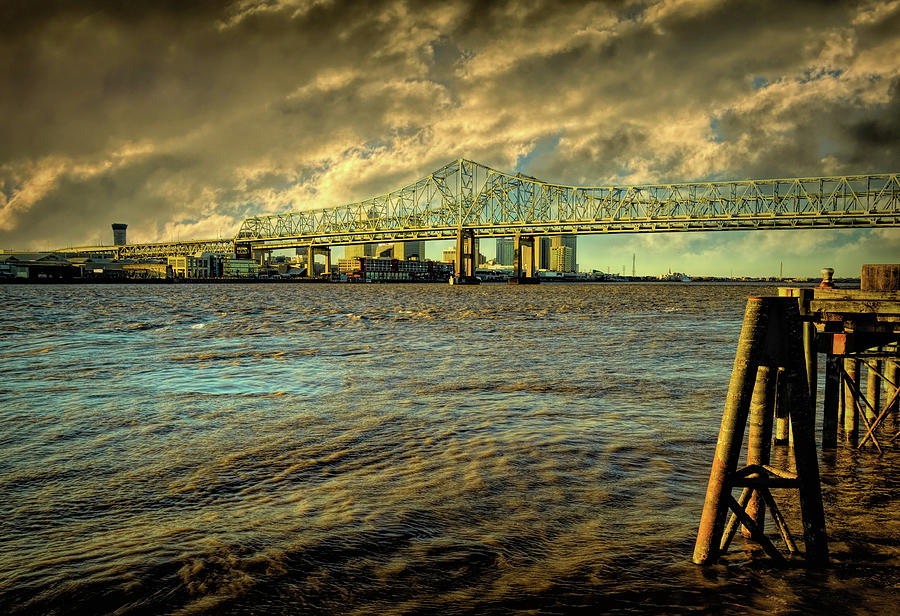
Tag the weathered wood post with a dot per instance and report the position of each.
(873, 389)
(782, 421)
(760, 438)
(894, 375)
(831, 401)
(731, 433)
(803, 427)
(851, 419)
(771, 335)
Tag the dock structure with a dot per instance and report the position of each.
(774, 387)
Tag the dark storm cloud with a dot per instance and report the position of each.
(169, 114)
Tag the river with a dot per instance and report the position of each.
(393, 449)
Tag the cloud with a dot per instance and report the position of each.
(166, 114)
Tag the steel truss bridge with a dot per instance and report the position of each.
(490, 203)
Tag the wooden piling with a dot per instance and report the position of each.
(831, 401)
(873, 389)
(731, 432)
(760, 438)
(803, 426)
(782, 420)
(851, 419)
(893, 374)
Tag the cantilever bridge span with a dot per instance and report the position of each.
(464, 194)
(490, 203)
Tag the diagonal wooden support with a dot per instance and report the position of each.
(732, 526)
(779, 520)
(755, 532)
(856, 396)
(879, 419)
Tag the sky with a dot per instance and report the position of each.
(183, 118)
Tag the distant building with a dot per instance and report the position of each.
(119, 233)
(544, 252)
(449, 254)
(200, 265)
(409, 251)
(239, 268)
(505, 250)
(570, 263)
(147, 270)
(561, 259)
(375, 269)
(360, 250)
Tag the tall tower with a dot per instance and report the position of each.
(570, 241)
(505, 250)
(119, 233)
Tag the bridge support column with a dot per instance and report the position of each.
(525, 259)
(466, 259)
(311, 252)
(261, 257)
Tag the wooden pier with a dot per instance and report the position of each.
(774, 387)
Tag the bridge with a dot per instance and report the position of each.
(464, 200)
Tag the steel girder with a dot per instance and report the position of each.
(159, 251)
(496, 204)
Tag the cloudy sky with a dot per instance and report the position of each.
(182, 118)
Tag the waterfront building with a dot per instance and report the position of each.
(35, 266)
(201, 265)
(239, 268)
(147, 270)
(371, 269)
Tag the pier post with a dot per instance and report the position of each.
(731, 433)
(893, 373)
(873, 389)
(760, 438)
(771, 335)
(851, 419)
(803, 430)
(310, 261)
(782, 421)
(327, 252)
(831, 402)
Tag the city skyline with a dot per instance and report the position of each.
(183, 120)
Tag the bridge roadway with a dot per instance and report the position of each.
(490, 203)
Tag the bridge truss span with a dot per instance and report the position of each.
(465, 194)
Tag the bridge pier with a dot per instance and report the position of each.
(525, 259)
(261, 256)
(466, 258)
(311, 252)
